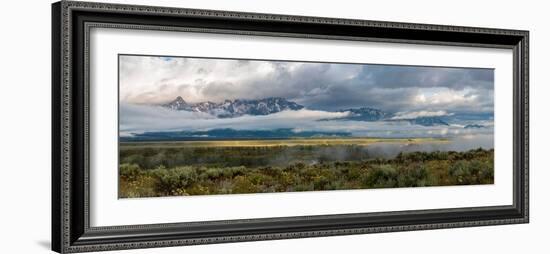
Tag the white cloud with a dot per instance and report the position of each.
(393, 88)
(140, 118)
(445, 97)
(417, 114)
(153, 80)
(143, 118)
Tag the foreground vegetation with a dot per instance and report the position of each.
(154, 171)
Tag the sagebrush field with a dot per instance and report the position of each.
(261, 166)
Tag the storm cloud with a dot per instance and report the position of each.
(317, 86)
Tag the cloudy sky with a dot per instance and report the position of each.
(407, 91)
(318, 86)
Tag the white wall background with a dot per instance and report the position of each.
(25, 127)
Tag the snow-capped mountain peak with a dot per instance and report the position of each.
(238, 107)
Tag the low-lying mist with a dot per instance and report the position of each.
(262, 156)
(386, 150)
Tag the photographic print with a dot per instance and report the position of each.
(210, 126)
(175, 126)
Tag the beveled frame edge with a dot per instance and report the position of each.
(70, 229)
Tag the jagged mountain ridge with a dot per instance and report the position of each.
(271, 105)
(238, 107)
(366, 114)
(428, 121)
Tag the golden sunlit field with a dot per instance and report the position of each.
(279, 142)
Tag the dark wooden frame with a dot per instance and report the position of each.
(71, 22)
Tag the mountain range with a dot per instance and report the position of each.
(228, 134)
(271, 105)
(235, 108)
(366, 114)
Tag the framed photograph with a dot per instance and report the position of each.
(182, 126)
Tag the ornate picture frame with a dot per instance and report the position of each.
(71, 228)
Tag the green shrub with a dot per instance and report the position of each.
(382, 176)
(415, 175)
(241, 184)
(232, 170)
(174, 178)
(129, 171)
(472, 172)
